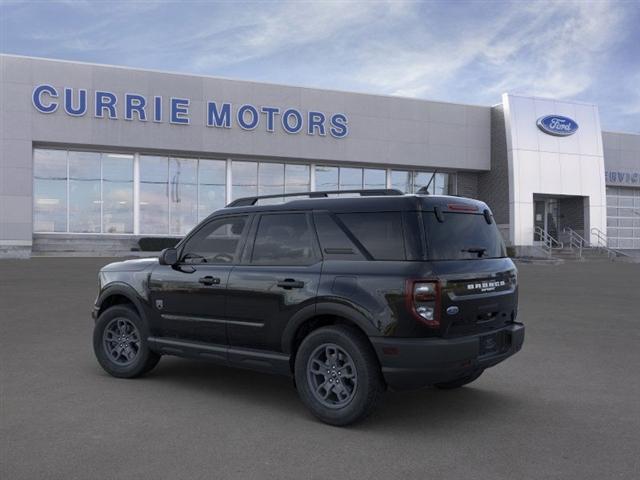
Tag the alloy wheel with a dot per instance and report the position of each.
(332, 376)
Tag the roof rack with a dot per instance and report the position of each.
(248, 201)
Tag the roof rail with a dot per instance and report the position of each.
(248, 201)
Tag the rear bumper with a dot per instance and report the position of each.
(414, 363)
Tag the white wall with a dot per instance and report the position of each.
(545, 164)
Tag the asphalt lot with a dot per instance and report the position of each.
(567, 406)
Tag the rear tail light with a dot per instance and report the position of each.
(423, 300)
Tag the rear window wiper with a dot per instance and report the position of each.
(479, 250)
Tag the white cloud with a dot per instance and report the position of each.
(261, 32)
(545, 49)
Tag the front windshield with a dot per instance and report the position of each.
(462, 236)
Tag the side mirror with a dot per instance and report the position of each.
(168, 256)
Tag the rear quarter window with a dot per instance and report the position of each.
(380, 233)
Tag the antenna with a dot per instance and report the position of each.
(425, 190)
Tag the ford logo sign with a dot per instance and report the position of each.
(557, 125)
(452, 310)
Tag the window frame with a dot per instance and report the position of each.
(180, 247)
(247, 255)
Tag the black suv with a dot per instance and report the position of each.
(347, 295)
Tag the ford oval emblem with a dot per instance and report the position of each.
(452, 310)
(557, 125)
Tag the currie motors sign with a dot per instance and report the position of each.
(132, 106)
(557, 125)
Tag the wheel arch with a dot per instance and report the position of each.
(119, 294)
(320, 315)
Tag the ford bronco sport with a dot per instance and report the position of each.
(349, 296)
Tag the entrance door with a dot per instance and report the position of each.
(539, 217)
(545, 216)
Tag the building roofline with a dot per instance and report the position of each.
(620, 132)
(199, 75)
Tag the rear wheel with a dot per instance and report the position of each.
(459, 382)
(120, 343)
(337, 375)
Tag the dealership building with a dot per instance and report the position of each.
(95, 157)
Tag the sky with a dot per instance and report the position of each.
(456, 51)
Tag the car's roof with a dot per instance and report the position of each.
(367, 204)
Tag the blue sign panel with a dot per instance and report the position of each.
(557, 125)
(136, 107)
(622, 178)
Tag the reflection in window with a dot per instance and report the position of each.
(422, 179)
(283, 240)
(245, 179)
(154, 194)
(374, 178)
(297, 178)
(350, 178)
(217, 242)
(50, 190)
(85, 204)
(270, 181)
(401, 180)
(212, 175)
(270, 178)
(380, 233)
(326, 178)
(117, 193)
(183, 195)
(442, 184)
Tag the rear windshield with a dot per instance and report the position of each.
(462, 236)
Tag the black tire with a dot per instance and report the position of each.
(361, 386)
(459, 382)
(135, 357)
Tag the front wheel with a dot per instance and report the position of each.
(120, 343)
(337, 375)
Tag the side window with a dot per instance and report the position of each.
(334, 242)
(217, 242)
(380, 233)
(283, 239)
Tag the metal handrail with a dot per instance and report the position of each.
(603, 244)
(548, 241)
(576, 241)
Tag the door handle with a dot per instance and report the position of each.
(289, 283)
(209, 280)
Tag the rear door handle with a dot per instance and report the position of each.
(209, 280)
(289, 283)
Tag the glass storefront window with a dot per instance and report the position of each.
(270, 178)
(374, 178)
(401, 180)
(270, 181)
(297, 178)
(442, 184)
(117, 193)
(422, 179)
(49, 190)
(245, 179)
(326, 178)
(183, 195)
(154, 195)
(212, 176)
(85, 199)
(92, 192)
(350, 178)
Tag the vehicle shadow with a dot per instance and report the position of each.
(407, 411)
